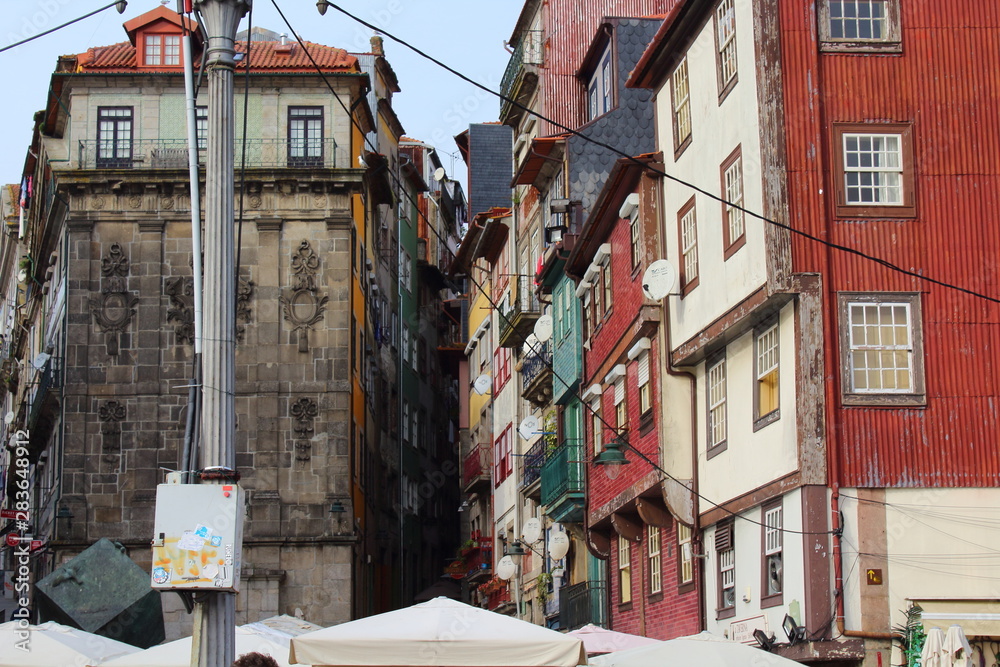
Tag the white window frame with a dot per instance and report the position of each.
(624, 570)
(717, 395)
(681, 105)
(689, 245)
(772, 551)
(859, 14)
(867, 183)
(685, 555)
(654, 540)
(767, 359)
(725, 35)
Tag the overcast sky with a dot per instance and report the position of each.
(433, 106)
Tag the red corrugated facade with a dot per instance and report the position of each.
(945, 83)
(570, 27)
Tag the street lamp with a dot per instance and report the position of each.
(613, 457)
(321, 7)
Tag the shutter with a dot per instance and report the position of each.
(619, 391)
(643, 369)
(724, 537)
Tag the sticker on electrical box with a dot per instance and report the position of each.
(190, 542)
(216, 540)
(160, 575)
(202, 531)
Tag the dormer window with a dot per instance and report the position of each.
(162, 50)
(600, 87)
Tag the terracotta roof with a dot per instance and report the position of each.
(264, 56)
(541, 152)
(160, 13)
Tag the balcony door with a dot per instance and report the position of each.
(305, 136)
(114, 137)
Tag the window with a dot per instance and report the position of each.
(716, 405)
(733, 228)
(201, 126)
(163, 50)
(655, 562)
(725, 44)
(882, 349)
(645, 386)
(406, 421)
(859, 25)
(305, 136)
(726, 576)
(874, 176)
(621, 406)
(606, 278)
(685, 560)
(772, 533)
(414, 357)
(624, 570)
(406, 344)
(681, 100)
(634, 237)
(766, 375)
(598, 425)
(501, 368)
(405, 270)
(114, 137)
(600, 87)
(502, 465)
(687, 225)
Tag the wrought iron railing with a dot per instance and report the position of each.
(533, 460)
(527, 52)
(536, 364)
(562, 472)
(476, 464)
(525, 303)
(583, 603)
(173, 154)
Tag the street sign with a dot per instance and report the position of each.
(20, 515)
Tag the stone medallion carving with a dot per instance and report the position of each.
(181, 309)
(135, 201)
(304, 411)
(166, 203)
(97, 203)
(114, 309)
(255, 201)
(111, 414)
(319, 201)
(302, 305)
(244, 290)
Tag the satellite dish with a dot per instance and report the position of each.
(558, 545)
(482, 384)
(506, 568)
(532, 346)
(9, 418)
(532, 530)
(40, 360)
(543, 328)
(658, 279)
(439, 174)
(528, 427)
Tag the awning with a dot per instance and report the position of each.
(978, 618)
(485, 238)
(544, 159)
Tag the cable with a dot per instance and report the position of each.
(243, 157)
(68, 23)
(664, 174)
(486, 294)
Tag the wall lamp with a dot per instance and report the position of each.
(613, 457)
(795, 632)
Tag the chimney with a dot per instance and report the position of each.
(376, 42)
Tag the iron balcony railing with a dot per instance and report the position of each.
(533, 460)
(517, 321)
(536, 364)
(583, 603)
(527, 52)
(562, 472)
(173, 154)
(477, 465)
(48, 381)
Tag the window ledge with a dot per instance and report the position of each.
(728, 612)
(766, 420)
(772, 600)
(886, 400)
(712, 452)
(847, 47)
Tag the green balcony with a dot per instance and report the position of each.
(521, 76)
(562, 483)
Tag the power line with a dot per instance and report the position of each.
(120, 4)
(664, 174)
(495, 306)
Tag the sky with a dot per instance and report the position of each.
(433, 105)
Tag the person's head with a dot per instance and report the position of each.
(255, 659)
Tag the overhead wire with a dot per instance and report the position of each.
(485, 292)
(60, 27)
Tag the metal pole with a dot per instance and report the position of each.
(216, 630)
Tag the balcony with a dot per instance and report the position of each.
(518, 321)
(532, 470)
(476, 468)
(583, 603)
(562, 483)
(173, 154)
(498, 600)
(479, 559)
(521, 76)
(536, 376)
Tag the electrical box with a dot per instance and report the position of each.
(198, 537)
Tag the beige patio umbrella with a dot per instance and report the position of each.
(958, 652)
(439, 632)
(702, 650)
(932, 654)
(52, 644)
(601, 640)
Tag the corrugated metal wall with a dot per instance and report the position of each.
(569, 28)
(945, 83)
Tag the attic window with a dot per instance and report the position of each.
(162, 50)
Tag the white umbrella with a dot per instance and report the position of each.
(958, 653)
(601, 640)
(57, 645)
(439, 632)
(703, 650)
(932, 654)
(270, 637)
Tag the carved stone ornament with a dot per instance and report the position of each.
(181, 310)
(304, 411)
(255, 201)
(244, 290)
(302, 305)
(111, 414)
(135, 201)
(114, 309)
